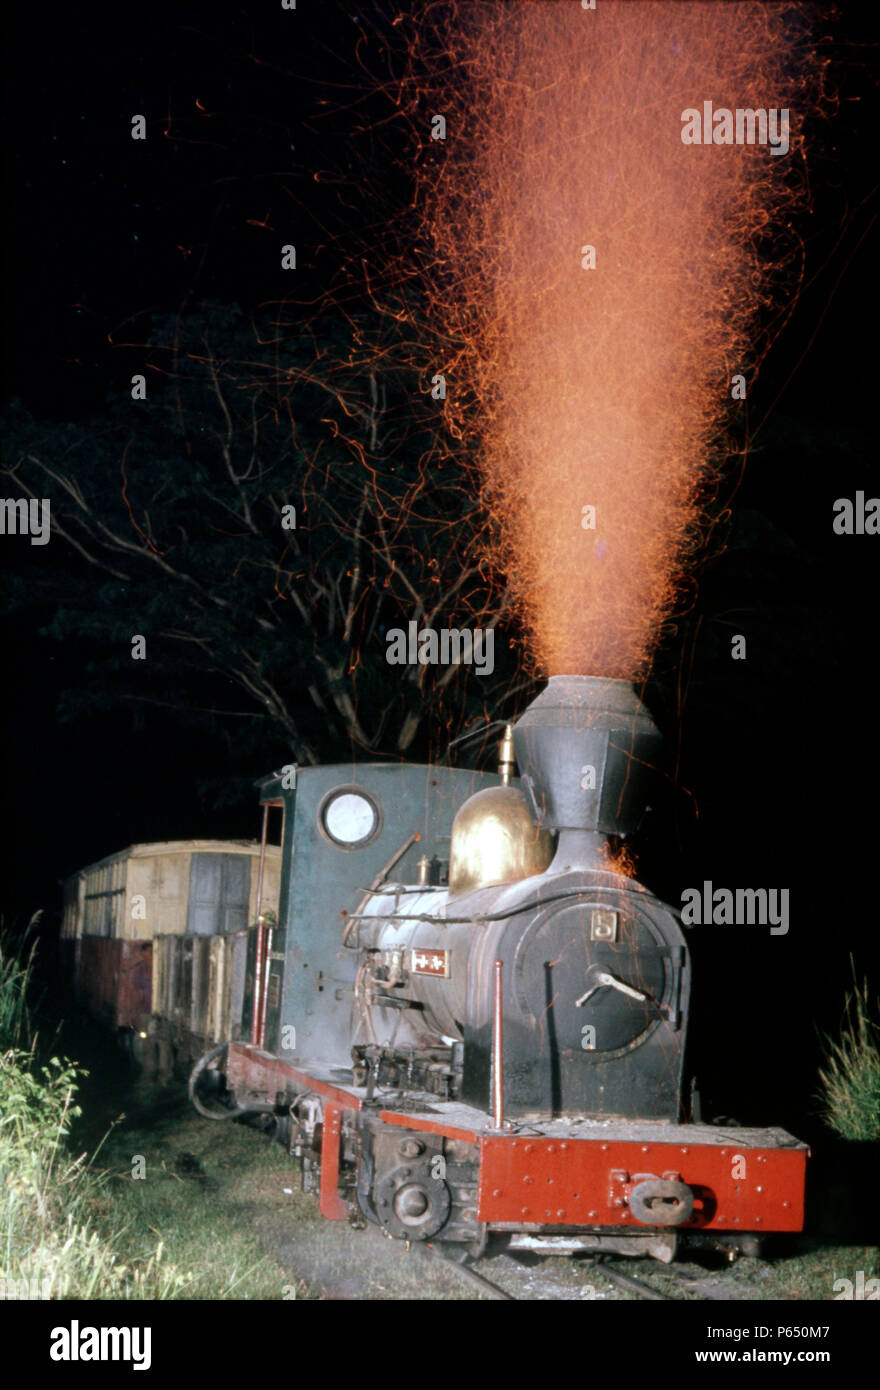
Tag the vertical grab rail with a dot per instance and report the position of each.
(263, 836)
(258, 984)
(264, 1008)
(497, 1055)
(257, 1012)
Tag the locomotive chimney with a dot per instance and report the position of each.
(587, 748)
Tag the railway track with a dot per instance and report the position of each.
(470, 1276)
(605, 1269)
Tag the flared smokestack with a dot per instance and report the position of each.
(586, 749)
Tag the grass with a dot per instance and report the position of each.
(50, 1246)
(17, 956)
(69, 1229)
(850, 1079)
(199, 1187)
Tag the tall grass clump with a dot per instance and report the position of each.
(17, 956)
(50, 1246)
(850, 1079)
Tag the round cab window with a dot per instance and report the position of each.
(349, 818)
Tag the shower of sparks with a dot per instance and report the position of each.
(595, 397)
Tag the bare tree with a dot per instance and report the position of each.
(264, 517)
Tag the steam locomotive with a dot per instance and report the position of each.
(466, 1023)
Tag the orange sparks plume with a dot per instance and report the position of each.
(595, 396)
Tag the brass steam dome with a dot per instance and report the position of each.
(495, 840)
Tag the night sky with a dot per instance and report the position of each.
(108, 232)
(245, 103)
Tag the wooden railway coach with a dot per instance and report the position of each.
(162, 929)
